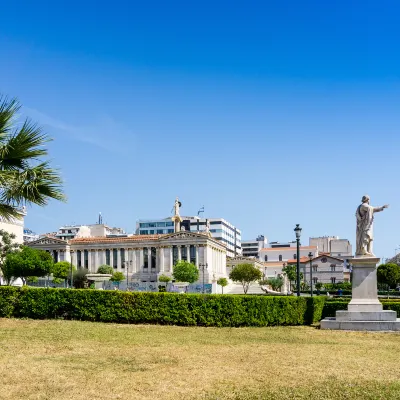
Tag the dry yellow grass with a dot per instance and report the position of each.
(80, 360)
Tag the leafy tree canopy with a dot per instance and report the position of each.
(291, 272)
(105, 269)
(62, 270)
(275, 283)
(185, 272)
(29, 262)
(222, 282)
(164, 278)
(245, 274)
(7, 246)
(117, 277)
(388, 274)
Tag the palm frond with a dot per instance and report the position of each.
(9, 212)
(34, 185)
(8, 111)
(23, 146)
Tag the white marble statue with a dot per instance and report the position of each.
(177, 205)
(365, 220)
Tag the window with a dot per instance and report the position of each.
(295, 256)
(315, 280)
(333, 267)
(69, 231)
(280, 257)
(174, 255)
(333, 280)
(160, 231)
(315, 268)
(265, 258)
(108, 257)
(192, 254)
(79, 258)
(122, 258)
(183, 253)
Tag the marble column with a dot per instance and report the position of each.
(197, 255)
(149, 258)
(188, 253)
(179, 253)
(111, 258)
(161, 259)
(171, 259)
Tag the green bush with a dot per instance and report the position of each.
(159, 308)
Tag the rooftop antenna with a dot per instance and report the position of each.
(200, 211)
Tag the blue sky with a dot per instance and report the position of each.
(267, 113)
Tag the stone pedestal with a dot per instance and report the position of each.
(365, 312)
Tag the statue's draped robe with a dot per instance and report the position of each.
(365, 224)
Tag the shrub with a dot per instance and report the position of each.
(159, 308)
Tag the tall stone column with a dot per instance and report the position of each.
(118, 259)
(188, 253)
(197, 255)
(161, 259)
(149, 258)
(179, 253)
(171, 259)
(111, 258)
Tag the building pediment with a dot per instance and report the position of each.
(48, 240)
(185, 235)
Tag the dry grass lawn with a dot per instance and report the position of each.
(80, 360)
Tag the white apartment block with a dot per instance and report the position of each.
(29, 235)
(68, 232)
(333, 246)
(15, 226)
(252, 248)
(219, 228)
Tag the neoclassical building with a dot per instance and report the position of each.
(143, 258)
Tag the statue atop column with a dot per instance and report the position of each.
(365, 221)
(177, 217)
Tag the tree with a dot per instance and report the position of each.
(117, 277)
(222, 282)
(105, 269)
(388, 274)
(25, 178)
(245, 274)
(275, 283)
(319, 285)
(79, 278)
(61, 271)
(29, 262)
(291, 272)
(164, 279)
(185, 272)
(7, 246)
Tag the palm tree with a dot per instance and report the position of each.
(25, 178)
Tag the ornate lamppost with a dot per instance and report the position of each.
(203, 267)
(297, 231)
(310, 256)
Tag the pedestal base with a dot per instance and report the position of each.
(364, 311)
(333, 323)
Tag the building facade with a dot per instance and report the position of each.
(15, 226)
(325, 269)
(252, 248)
(68, 232)
(142, 258)
(333, 246)
(219, 228)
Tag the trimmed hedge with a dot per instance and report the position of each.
(159, 308)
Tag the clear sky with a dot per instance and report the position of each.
(268, 113)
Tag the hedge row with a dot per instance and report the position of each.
(331, 306)
(159, 308)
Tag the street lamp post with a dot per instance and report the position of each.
(310, 256)
(203, 266)
(297, 230)
(70, 254)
